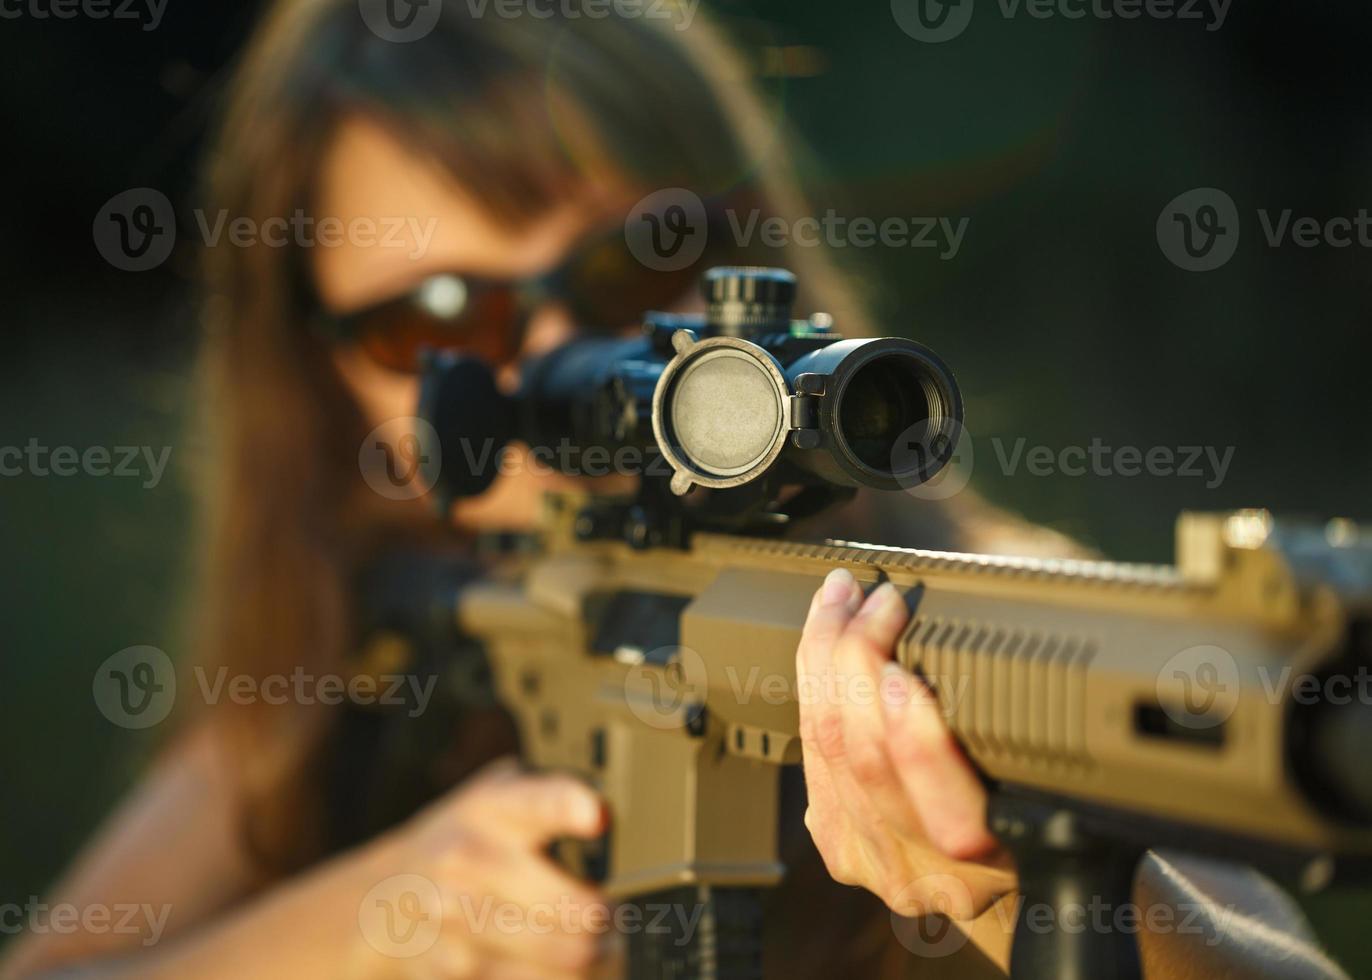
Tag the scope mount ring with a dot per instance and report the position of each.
(721, 412)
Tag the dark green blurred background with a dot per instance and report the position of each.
(1060, 140)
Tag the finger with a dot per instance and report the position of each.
(825, 816)
(863, 648)
(821, 722)
(877, 625)
(947, 793)
(832, 607)
(534, 810)
(830, 610)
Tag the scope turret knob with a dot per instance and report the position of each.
(746, 301)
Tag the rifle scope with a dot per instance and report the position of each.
(716, 400)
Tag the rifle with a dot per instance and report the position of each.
(648, 643)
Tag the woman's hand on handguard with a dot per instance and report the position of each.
(894, 806)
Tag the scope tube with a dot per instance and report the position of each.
(583, 392)
(878, 413)
(589, 394)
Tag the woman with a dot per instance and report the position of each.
(517, 144)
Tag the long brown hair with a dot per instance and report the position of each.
(518, 110)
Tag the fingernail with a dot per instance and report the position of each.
(838, 587)
(591, 811)
(883, 601)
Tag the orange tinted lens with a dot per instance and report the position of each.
(488, 328)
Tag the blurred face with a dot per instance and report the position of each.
(368, 176)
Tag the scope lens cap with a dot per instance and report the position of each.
(723, 410)
(470, 417)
